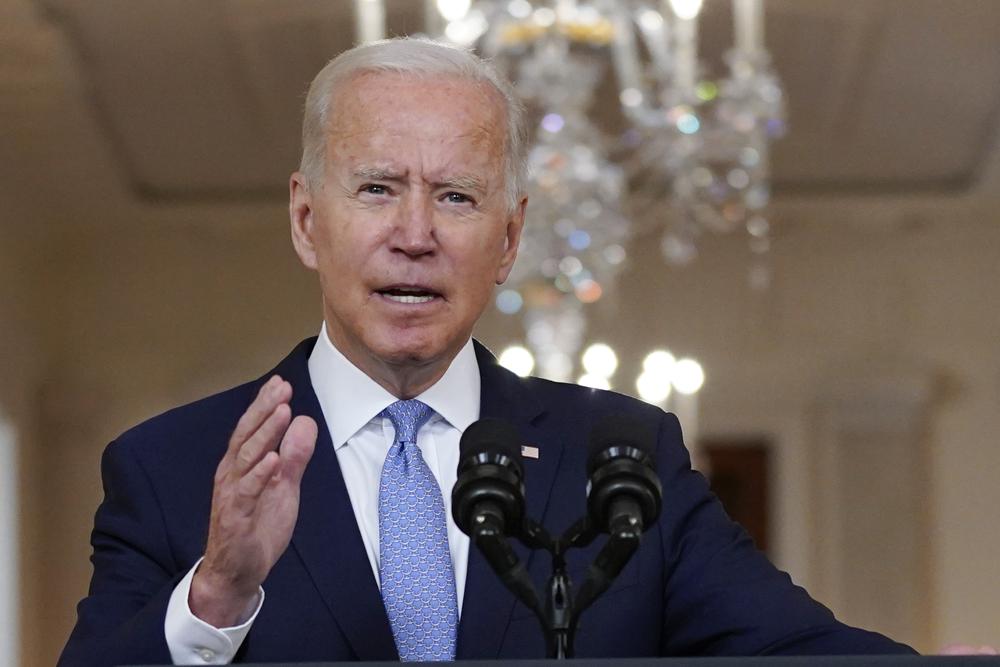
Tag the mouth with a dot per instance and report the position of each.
(408, 294)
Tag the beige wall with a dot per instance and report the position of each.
(19, 360)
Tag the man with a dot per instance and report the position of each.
(324, 487)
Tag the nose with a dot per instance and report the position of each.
(413, 233)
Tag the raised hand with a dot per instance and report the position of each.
(255, 504)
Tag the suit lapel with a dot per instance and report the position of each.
(487, 604)
(326, 536)
(328, 541)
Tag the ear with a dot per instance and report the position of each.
(512, 239)
(300, 213)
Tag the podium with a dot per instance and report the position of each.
(756, 661)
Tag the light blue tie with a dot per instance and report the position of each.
(418, 579)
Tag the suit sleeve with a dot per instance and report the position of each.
(722, 595)
(122, 618)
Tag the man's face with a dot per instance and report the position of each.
(409, 227)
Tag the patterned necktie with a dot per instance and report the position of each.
(418, 579)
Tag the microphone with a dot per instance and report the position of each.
(487, 501)
(489, 492)
(624, 497)
(624, 494)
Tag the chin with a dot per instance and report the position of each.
(407, 349)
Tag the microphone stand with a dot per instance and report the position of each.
(488, 504)
(562, 609)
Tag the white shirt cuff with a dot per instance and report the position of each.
(191, 640)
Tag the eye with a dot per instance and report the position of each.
(458, 198)
(375, 189)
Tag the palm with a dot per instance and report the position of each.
(255, 504)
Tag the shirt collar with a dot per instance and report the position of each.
(350, 399)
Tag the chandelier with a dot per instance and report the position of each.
(690, 157)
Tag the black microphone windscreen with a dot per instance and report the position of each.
(620, 430)
(493, 436)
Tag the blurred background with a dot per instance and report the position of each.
(822, 238)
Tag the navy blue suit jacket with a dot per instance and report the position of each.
(696, 586)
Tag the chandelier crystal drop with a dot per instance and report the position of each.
(692, 159)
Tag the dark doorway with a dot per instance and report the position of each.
(739, 475)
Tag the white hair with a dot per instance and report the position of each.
(419, 57)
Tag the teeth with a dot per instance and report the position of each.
(409, 298)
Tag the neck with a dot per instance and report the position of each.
(402, 380)
(405, 378)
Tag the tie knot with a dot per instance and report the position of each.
(407, 417)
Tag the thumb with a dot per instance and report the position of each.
(297, 448)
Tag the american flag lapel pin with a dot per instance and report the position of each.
(529, 452)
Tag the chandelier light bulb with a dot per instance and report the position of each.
(600, 360)
(544, 17)
(517, 360)
(659, 362)
(688, 376)
(653, 387)
(594, 381)
(453, 10)
(630, 97)
(686, 9)
(519, 9)
(509, 301)
(468, 29)
(650, 19)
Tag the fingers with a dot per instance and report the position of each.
(287, 467)
(255, 461)
(273, 392)
(264, 439)
(254, 482)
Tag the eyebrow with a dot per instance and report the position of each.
(461, 182)
(378, 174)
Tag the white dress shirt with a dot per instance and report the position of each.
(351, 402)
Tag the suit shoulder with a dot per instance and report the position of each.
(192, 425)
(578, 399)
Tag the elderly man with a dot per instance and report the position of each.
(306, 515)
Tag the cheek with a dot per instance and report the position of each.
(477, 261)
(341, 250)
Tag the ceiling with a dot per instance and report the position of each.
(193, 101)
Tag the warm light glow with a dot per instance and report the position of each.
(453, 10)
(544, 17)
(517, 360)
(555, 365)
(570, 265)
(519, 9)
(630, 97)
(650, 20)
(467, 30)
(653, 387)
(688, 376)
(659, 362)
(686, 9)
(600, 360)
(595, 381)
(589, 291)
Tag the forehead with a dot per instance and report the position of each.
(391, 112)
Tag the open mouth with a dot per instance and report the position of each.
(409, 295)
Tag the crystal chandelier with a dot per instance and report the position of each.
(692, 159)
